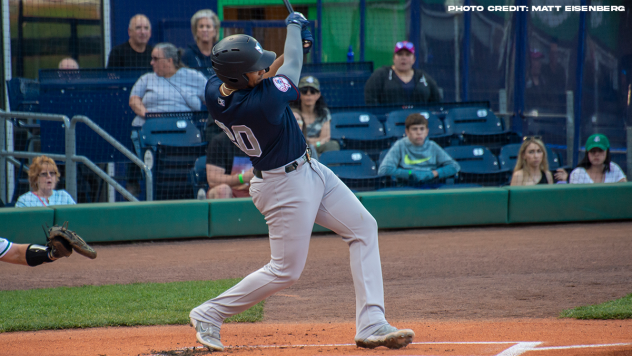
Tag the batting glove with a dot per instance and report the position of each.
(297, 18)
(308, 40)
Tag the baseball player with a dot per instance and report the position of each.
(60, 243)
(249, 99)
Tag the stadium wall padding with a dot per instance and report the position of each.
(570, 202)
(427, 208)
(106, 222)
(24, 225)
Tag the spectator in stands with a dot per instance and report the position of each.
(401, 83)
(596, 166)
(136, 52)
(228, 169)
(416, 160)
(43, 178)
(205, 28)
(171, 87)
(316, 116)
(68, 63)
(532, 165)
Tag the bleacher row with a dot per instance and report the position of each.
(172, 142)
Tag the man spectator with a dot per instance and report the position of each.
(414, 160)
(68, 63)
(228, 169)
(136, 52)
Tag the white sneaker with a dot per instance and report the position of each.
(207, 334)
(388, 336)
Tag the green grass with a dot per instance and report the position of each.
(111, 305)
(616, 309)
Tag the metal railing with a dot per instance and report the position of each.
(70, 157)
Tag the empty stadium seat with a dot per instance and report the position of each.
(396, 125)
(356, 130)
(171, 167)
(169, 131)
(476, 126)
(478, 165)
(197, 177)
(355, 168)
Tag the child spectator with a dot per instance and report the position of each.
(414, 158)
(596, 167)
(532, 165)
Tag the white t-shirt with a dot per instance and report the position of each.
(580, 176)
(184, 91)
(5, 246)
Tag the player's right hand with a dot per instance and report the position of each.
(297, 18)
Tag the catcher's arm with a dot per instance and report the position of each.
(28, 255)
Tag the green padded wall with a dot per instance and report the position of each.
(104, 222)
(570, 202)
(24, 225)
(239, 217)
(425, 208)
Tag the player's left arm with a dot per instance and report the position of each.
(16, 254)
(274, 67)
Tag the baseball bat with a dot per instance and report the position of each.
(288, 6)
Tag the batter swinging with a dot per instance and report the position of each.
(251, 104)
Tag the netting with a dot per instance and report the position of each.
(482, 80)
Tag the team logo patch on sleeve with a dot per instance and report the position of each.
(281, 83)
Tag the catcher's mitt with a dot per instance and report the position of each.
(62, 241)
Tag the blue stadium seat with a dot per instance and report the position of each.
(476, 126)
(169, 131)
(23, 94)
(355, 168)
(197, 176)
(341, 84)
(356, 130)
(396, 125)
(478, 165)
(171, 167)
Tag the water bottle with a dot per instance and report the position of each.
(350, 54)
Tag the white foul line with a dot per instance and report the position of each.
(580, 346)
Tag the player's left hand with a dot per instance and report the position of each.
(308, 40)
(297, 18)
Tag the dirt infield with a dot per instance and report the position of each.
(500, 287)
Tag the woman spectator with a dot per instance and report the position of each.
(170, 88)
(532, 165)
(43, 178)
(401, 83)
(316, 117)
(205, 28)
(596, 166)
(301, 124)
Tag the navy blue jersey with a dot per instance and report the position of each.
(259, 120)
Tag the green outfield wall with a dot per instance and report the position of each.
(104, 222)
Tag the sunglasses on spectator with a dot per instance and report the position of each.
(528, 138)
(407, 45)
(309, 90)
(46, 174)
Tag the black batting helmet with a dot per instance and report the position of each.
(239, 54)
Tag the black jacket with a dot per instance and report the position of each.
(383, 87)
(194, 58)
